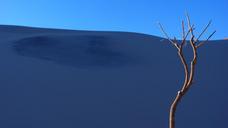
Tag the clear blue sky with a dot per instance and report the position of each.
(116, 15)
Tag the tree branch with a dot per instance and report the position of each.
(184, 63)
(189, 76)
(189, 24)
(193, 63)
(183, 30)
(166, 35)
(202, 43)
(205, 29)
(184, 40)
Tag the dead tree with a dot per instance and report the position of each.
(188, 68)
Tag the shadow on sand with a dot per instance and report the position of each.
(78, 51)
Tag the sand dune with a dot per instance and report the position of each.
(87, 79)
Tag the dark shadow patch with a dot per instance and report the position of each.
(79, 51)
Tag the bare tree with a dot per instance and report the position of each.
(188, 68)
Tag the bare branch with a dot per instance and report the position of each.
(200, 44)
(184, 39)
(163, 31)
(189, 24)
(166, 35)
(183, 30)
(188, 68)
(185, 65)
(205, 29)
(193, 63)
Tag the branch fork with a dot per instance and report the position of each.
(189, 75)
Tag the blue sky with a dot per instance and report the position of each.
(116, 15)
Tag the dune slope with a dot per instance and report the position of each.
(54, 78)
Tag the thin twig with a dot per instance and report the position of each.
(204, 30)
(189, 24)
(183, 34)
(166, 35)
(183, 30)
(184, 40)
(200, 44)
